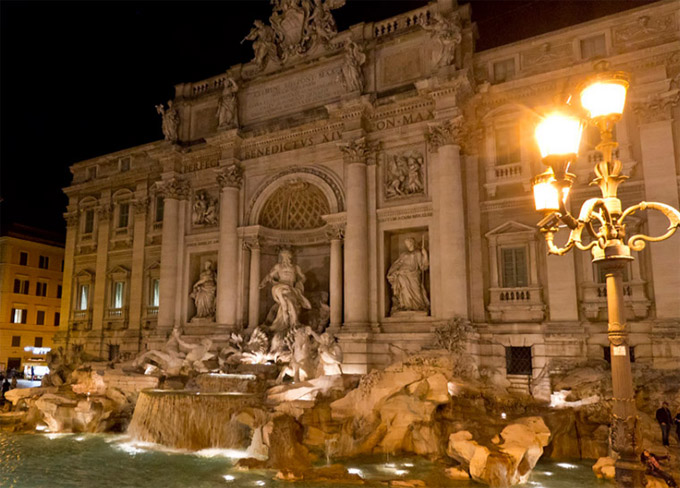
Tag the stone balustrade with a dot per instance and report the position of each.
(402, 22)
(522, 304)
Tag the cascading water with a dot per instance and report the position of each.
(195, 420)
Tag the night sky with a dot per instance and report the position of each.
(80, 79)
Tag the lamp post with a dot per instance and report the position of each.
(558, 137)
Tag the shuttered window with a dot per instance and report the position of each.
(514, 267)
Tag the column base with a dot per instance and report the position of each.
(356, 327)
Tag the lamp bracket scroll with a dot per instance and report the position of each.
(637, 241)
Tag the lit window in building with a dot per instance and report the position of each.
(41, 289)
(118, 288)
(83, 297)
(44, 262)
(514, 267)
(38, 342)
(155, 292)
(58, 291)
(57, 318)
(123, 215)
(23, 258)
(504, 70)
(159, 209)
(593, 46)
(89, 222)
(507, 145)
(518, 360)
(40, 317)
(19, 316)
(16, 341)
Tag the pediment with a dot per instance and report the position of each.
(119, 270)
(156, 265)
(85, 273)
(510, 227)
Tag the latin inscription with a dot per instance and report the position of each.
(310, 88)
(398, 121)
(290, 145)
(199, 164)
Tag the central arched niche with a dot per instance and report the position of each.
(289, 211)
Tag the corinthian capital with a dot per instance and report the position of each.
(355, 150)
(104, 211)
(230, 176)
(449, 132)
(141, 205)
(656, 108)
(72, 218)
(335, 231)
(175, 188)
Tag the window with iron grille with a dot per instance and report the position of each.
(518, 360)
(514, 267)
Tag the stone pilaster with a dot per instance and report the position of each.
(658, 161)
(230, 179)
(141, 210)
(99, 298)
(335, 236)
(72, 218)
(356, 236)
(173, 190)
(254, 284)
(443, 139)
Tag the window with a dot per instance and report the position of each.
(504, 70)
(155, 292)
(21, 286)
(19, 316)
(38, 342)
(593, 46)
(518, 360)
(159, 209)
(608, 353)
(507, 145)
(44, 262)
(117, 298)
(514, 267)
(58, 291)
(23, 258)
(77, 350)
(62, 265)
(57, 319)
(40, 317)
(92, 173)
(114, 351)
(16, 341)
(83, 296)
(24, 287)
(123, 215)
(88, 226)
(41, 289)
(124, 164)
(17, 286)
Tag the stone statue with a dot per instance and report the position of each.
(321, 22)
(204, 211)
(59, 369)
(170, 124)
(447, 32)
(404, 175)
(195, 353)
(329, 355)
(169, 359)
(227, 107)
(264, 45)
(406, 278)
(300, 366)
(204, 291)
(352, 76)
(287, 290)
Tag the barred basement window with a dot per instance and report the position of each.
(518, 360)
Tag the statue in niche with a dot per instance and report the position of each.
(227, 107)
(447, 32)
(204, 211)
(406, 276)
(404, 175)
(204, 291)
(264, 45)
(352, 76)
(170, 123)
(288, 288)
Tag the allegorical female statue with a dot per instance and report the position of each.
(227, 106)
(170, 124)
(406, 278)
(288, 288)
(204, 291)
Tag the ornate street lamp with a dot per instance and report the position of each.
(602, 218)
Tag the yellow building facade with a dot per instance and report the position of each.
(31, 269)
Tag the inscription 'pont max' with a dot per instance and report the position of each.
(282, 96)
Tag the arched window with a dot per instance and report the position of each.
(297, 205)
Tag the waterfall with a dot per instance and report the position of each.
(191, 420)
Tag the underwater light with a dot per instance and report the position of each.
(260, 483)
(229, 477)
(355, 471)
(400, 472)
(567, 466)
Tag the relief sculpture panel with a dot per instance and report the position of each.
(404, 174)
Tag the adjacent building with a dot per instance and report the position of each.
(31, 269)
(390, 142)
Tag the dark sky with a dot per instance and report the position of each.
(80, 79)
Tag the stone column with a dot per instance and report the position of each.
(335, 235)
(72, 222)
(173, 191)
(254, 285)
(136, 292)
(443, 138)
(97, 298)
(659, 167)
(230, 179)
(356, 237)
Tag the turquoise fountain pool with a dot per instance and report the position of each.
(104, 460)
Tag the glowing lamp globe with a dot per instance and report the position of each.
(559, 135)
(548, 191)
(605, 97)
